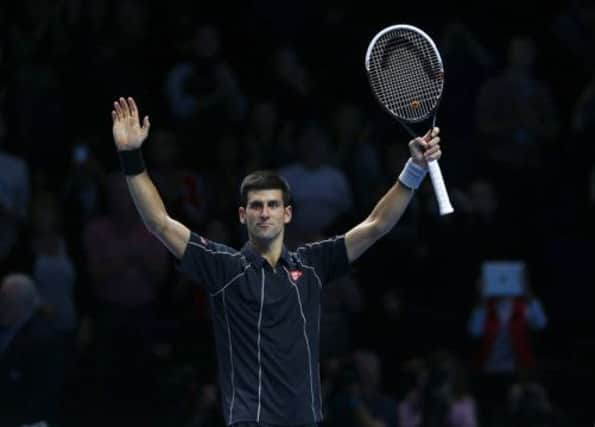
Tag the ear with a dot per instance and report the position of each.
(288, 214)
(242, 214)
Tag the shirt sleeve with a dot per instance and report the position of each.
(327, 257)
(209, 264)
(536, 317)
(476, 322)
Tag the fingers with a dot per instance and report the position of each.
(427, 147)
(125, 108)
(118, 111)
(146, 123)
(424, 142)
(432, 151)
(133, 107)
(431, 133)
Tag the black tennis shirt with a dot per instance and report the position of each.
(267, 325)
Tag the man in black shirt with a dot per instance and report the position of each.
(265, 299)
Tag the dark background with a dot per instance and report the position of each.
(60, 75)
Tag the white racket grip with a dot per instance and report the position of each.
(444, 204)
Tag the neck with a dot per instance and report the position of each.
(269, 250)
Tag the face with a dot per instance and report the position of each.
(265, 215)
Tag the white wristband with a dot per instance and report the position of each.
(412, 175)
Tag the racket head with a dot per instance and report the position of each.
(405, 72)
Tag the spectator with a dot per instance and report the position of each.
(22, 377)
(357, 399)
(574, 28)
(203, 92)
(184, 190)
(321, 193)
(468, 62)
(342, 300)
(15, 192)
(529, 405)
(19, 300)
(356, 154)
(502, 324)
(517, 119)
(127, 268)
(266, 142)
(435, 393)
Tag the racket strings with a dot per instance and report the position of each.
(406, 74)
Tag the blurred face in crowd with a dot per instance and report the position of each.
(483, 199)
(369, 370)
(206, 42)
(18, 299)
(164, 149)
(521, 54)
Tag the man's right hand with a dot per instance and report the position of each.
(127, 130)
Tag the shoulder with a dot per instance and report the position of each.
(320, 246)
(200, 243)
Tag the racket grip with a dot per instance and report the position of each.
(444, 205)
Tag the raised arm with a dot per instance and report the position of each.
(391, 206)
(129, 136)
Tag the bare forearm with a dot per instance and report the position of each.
(390, 208)
(383, 218)
(147, 200)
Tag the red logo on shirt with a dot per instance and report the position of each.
(295, 274)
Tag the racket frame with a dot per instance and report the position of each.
(444, 204)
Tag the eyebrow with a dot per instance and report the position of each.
(268, 202)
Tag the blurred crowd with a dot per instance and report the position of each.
(97, 327)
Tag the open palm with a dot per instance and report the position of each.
(127, 130)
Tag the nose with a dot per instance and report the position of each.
(265, 213)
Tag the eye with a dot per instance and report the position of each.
(273, 204)
(256, 205)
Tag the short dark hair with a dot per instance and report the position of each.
(264, 180)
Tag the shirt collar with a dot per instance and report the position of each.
(258, 261)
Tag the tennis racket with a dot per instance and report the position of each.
(406, 75)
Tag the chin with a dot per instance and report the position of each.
(266, 236)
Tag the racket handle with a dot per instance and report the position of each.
(444, 205)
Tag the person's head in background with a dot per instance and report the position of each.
(484, 200)
(164, 149)
(369, 371)
(413, 379)
(313, 146)
(18, 299)
(348, 122)
(132, 20)
(206, 43)
(522, 53)
(46, 214)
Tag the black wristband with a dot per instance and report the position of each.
(132, 161)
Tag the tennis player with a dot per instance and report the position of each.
(265, 299)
